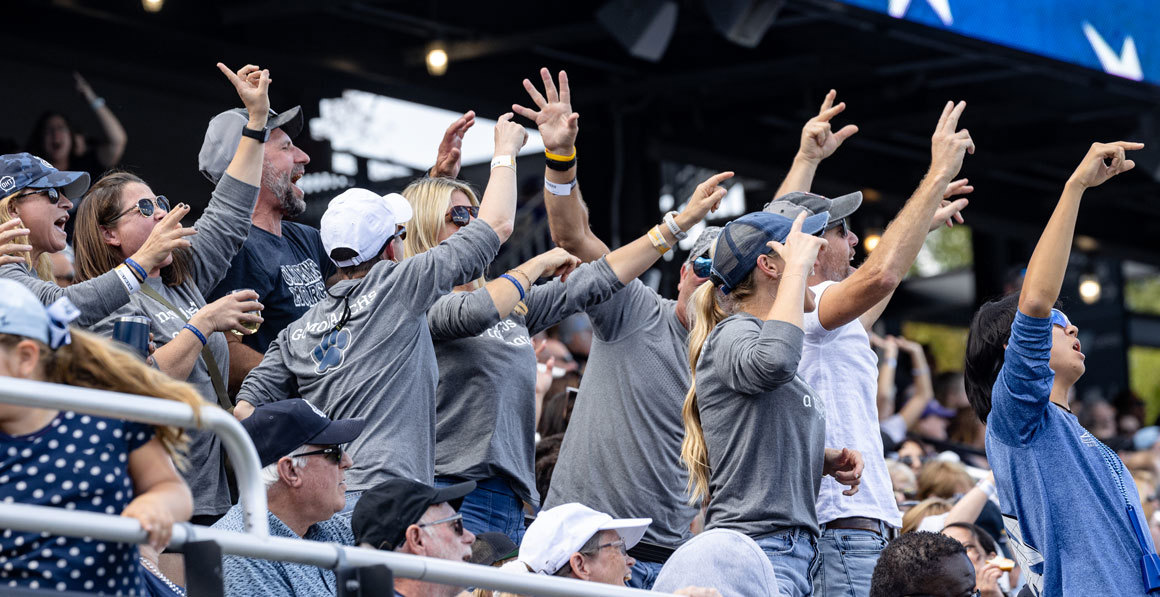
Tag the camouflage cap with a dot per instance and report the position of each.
(704, 243)
(20, 171)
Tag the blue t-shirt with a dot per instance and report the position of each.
(288, 272)
(77, 462)
(1059, 487)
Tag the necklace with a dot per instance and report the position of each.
(156, 572)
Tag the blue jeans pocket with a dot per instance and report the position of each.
(860, 543)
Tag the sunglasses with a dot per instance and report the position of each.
(461, 214)
(456, 523)
(702, 266)
(1059, 319)
(146, 206)
(54, 195)
(401, 234)
(839, 224)
(333, 454)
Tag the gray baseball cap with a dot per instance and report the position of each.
(704, 242)
(791, 204)
(225, 131)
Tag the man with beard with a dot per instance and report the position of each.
(283, 261)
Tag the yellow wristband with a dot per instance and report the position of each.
(560, 158)
(658, 240)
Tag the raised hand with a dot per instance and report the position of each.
(950, 210)
(167, 236)
(447, 161)
(948, 144)
(706, 198)
(845, 466)
(84, 88)
(818, 139)
(556, 262)
(800, 250)
(11, 252)
(509, 136)
(1103, 161)
(557, 123)
(252, 85)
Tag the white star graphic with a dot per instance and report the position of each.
(942, 8)
(1126, 64)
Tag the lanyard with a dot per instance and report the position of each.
(1149, 562)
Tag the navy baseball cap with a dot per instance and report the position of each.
(744, 240)
(20, 171)
(225, 131)
(384, 512)
(278, 428)
(791, 204)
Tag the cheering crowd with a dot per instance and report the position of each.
(744, 437)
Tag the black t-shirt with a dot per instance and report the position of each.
(288, 272)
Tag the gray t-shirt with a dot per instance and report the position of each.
(95, 298)
(764, 427)
(485, 404)
(381, 365)
(221, 230)
(622, 452)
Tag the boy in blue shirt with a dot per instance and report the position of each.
(1068, 502)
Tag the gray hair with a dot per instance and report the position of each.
(269, 474)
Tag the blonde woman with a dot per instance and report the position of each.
(485, 401)
(34, 207)
(82, 462)
(754, 431)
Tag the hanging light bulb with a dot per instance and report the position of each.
(1089, 288)
(873, 237)
(436, 59)
(152, 5)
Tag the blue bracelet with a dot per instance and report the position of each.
(196, 332)
(513, 280)
(136, 267)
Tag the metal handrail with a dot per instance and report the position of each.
(157, 411)
(108, 527)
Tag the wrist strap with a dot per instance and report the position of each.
(136, 267)
(892, 363)
(512, 279)
(196, 332)
(555, 157)
(562, 189)
(670, 220)
(128, 279)
(658, 240)
(506, 161)
(215, 375)
(97, 103)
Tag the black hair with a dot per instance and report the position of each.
(35, 143)
(986, 541)
(907, 563)
(986, 345)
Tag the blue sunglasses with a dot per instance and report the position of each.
(1059, 319)
(702, 266)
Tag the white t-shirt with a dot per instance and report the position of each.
(843, 370)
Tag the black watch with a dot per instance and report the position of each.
(260, 136)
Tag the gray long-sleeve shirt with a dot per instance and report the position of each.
(381, 365)
(221, 230)
(485, 404)
(622, 451)
(95, 298)
(764, 427)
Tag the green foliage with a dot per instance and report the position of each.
(1144, 373)
(947, 343)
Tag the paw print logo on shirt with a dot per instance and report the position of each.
(331, 350)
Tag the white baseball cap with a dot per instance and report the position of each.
(361, 220)
(558, 533)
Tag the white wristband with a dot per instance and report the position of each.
(988, 487)
(562, 189)
(671, 222)
(127, 278)
(506, 161)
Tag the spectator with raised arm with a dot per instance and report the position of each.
(119, 213)
(485, 416)
(837, 359)
(366, 350)
(755, 432)
(627, 418)
(1069, 504)
(55, 138)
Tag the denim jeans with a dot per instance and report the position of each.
(644, 574)
(846, 560)
(793, 553)
(492, 507)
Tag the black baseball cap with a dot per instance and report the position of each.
(278, 428)
(384, 512)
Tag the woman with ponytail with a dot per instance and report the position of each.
(82, 462)
(754, 431)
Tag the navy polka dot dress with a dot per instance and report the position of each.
(77, 462)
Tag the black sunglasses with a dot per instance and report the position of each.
(333, 454)
(54, 195)
(462, 214)
(702, 266)
(146, 207)
(840, 223)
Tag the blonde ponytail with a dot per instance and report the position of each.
(708, 308)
